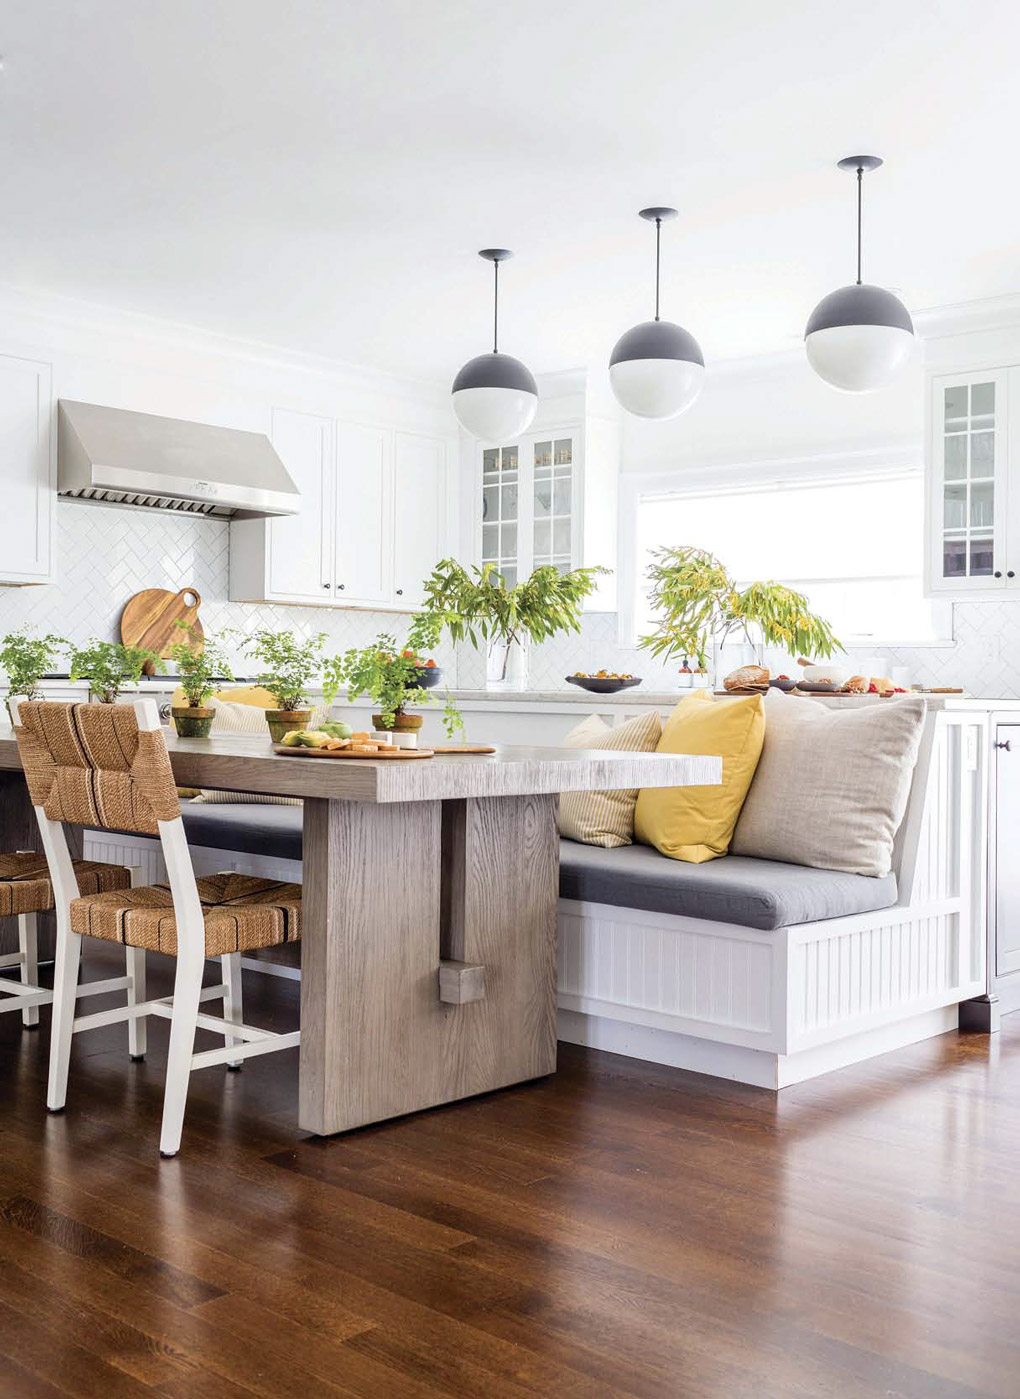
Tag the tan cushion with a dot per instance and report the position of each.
(606, 818)
(245, 717)
(832, 784)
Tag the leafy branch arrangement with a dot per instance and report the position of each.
(476, 605)
(200, 664)
(698, 602)
(290, 665)
(108, 666)
(26, 659)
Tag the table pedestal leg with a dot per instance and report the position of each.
(390, 890)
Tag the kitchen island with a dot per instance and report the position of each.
(429, 924)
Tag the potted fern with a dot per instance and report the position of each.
(699, 605)
(108, 666)
(477, 606)
(200, 665)
(289, 667)
(395, 679)
(26, 659)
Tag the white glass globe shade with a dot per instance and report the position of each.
(858, 358)
(495, 414)
(656, 388)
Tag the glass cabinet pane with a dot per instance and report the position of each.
(553, 525)
(500, 498)
(968, 474)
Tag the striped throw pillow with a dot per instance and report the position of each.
(607, 818)
(240, 718)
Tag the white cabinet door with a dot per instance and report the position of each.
(27, 474)
(364, 515)
(968, 485)
(419, 505)
(1006, 893)
(300, 563)
(531, 503)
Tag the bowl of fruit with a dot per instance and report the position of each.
(604, 682)
(429, 674)
(784, 683)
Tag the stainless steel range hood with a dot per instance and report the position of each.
(115, 457)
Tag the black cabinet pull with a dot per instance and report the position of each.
(325, 585)
(997, 573)
(340, 586)
(1010, 573)
(1005, 744)
(400, 592)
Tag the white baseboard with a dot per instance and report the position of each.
(758, 1067)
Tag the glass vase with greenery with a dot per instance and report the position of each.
(26, 659)
(394, 679)
(697, 603)
(289, 666)
(476, 605)
(201, 664)
(108, 666)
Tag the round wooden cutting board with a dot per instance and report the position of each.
(149, 618)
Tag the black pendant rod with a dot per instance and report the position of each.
(860, 188)
(495, 306)
(658, 249)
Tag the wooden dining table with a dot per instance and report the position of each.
(428, 943)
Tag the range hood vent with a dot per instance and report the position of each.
(115, 457)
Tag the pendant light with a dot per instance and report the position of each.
(495, 396)
(656, 368)
(859, 336)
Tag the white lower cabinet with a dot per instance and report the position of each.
(29, 472)
(371, 525)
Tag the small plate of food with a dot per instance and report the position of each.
(603, 682)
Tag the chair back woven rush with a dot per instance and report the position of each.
(91, 765)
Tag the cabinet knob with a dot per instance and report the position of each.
(400, 591)
(1010, 573)
(325, 585)
(340, 587)
(997, 573)
(1005, 744)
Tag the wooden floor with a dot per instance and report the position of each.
(616, 1230)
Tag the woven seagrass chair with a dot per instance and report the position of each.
(25, 892)
(108, 766)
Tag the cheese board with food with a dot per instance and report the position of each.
(352, 750)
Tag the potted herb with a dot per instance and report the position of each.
(394, 679)
(289, 667)
(108, 666)
(26, 659)
(476, 605)
(200, 664)
(699, 604)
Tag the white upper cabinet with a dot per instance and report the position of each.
(364, 515)
(973, 485)
(419, 506)
(27, 472)
(371, 524)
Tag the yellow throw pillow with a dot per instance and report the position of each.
(606, 818)
(696, 823)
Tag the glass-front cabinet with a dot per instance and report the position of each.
(972, 546)
(530, 504)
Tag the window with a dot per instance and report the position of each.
(853, 546)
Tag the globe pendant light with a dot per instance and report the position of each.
(495, 396)
(656, 368)
(859, 336)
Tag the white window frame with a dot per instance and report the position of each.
(736, 478)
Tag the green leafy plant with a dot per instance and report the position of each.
(290, 665)
(26, 659)
(391, 678)
(200, 663)
(108, 666)
(476, 605)
(698, 603)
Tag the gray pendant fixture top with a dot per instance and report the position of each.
(858, 336)
(656, 368)
(494, 395)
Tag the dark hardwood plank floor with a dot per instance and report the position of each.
(618, 1230)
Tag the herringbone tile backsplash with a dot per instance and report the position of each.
(107, 554)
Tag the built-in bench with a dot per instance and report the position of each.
(750, 969)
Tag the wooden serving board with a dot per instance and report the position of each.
(383, 752)
(150, 619)
(463, 748)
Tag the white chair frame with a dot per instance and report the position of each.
(182, 1009)
(25, 995)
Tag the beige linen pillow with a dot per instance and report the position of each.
(832, 784)
(233, 717)
(606, 818)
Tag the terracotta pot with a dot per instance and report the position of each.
(192, 720)
(402, 723)
(283, 721)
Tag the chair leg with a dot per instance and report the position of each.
(134, 958)
(187, 989)
(232, 1000)
(65, 992)
(28, 946)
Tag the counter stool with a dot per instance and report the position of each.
(107, 765)
(25, 891)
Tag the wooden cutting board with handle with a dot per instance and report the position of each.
(150, 619)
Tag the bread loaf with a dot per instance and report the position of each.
(747, 677)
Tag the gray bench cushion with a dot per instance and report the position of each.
(735, 889)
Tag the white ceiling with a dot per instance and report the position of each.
(318, 174)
